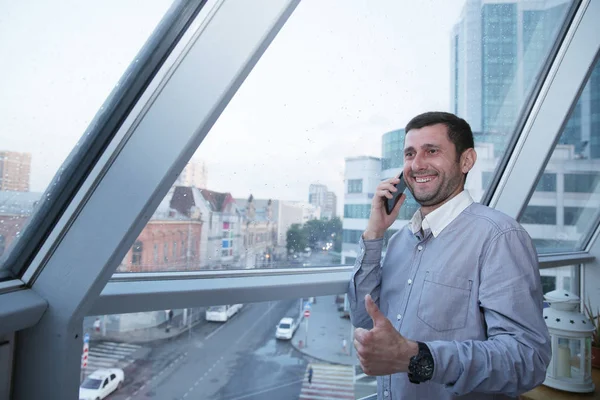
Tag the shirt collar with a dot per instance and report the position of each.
(441, 217)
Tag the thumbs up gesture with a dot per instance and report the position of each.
(382, 350)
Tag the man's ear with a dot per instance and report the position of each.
(467, 160)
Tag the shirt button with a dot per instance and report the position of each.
(386, 393)
(420, 247)
(410, 281)
(398, 317)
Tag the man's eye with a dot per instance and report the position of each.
(432, 151)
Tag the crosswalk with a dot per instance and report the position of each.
(111, 355)
(329, 382)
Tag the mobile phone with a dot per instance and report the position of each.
(391, 203)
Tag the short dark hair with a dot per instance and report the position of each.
(459, 130)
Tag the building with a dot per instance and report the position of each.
(15, 169)
(259, 232)
(319, 196)
(497, 49)
(170, 241)
(361, 176)
(193, 174)
(330, 210)
(15, 210)
(221, 238)
(494, 67)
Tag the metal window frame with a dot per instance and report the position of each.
(56, 338)
(181, 290)
(20, 309)
(78, 165)
(195, 83)
(550, 112)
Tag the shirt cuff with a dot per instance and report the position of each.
(446, 362)
(370, 250)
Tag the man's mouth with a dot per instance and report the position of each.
(424, 179)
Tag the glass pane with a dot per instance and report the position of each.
(61, 61)
(565, 206)
(250, 351)
(560, 278)
(568, 359)
(319, 122)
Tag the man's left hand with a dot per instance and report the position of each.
(382, 350)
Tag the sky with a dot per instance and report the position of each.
(339, 75)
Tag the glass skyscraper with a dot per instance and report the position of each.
(497, 50)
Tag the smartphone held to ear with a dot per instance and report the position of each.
(391, 203)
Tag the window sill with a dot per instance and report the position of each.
(544, 392)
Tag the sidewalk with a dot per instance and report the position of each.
(326, 330)
(146, 335)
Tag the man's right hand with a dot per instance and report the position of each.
(380, 221)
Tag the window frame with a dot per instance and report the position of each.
(123, 168)
(103, 129)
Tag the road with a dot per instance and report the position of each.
(240, 359)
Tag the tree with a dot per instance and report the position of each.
(296, 238)
(314, 231)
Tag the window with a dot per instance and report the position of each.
(575, 215)
(174, 250)
(586, 182)
(547, 183)
(351, 236)
(155, 254)
(565, 278)
(539, 215)
(166, 253)
(251, 329)
(136, 253)
(80, 69)
(357, 210)
(409, 207)
(571, 175)
(548, 283)
(355, 186)
(280, 138)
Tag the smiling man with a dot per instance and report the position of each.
(454, 309)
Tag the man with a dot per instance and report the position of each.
(455, 307)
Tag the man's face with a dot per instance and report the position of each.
(431, 166)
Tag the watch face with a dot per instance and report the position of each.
(421, 366)
(426, 367)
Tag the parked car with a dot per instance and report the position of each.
(100, 383)
(285, 328)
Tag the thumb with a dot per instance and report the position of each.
(376, 315)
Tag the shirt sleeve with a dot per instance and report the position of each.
(366, 279)
(517, 352)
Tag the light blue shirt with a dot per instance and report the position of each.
(467, 285)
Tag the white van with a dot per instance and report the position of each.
(285, 328)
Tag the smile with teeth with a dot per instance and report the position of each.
(424, 179)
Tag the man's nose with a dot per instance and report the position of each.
(418, 162)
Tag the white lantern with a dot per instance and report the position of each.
(571, 336)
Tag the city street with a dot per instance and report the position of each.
(239, 359)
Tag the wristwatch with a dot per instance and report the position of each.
(420, 368)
